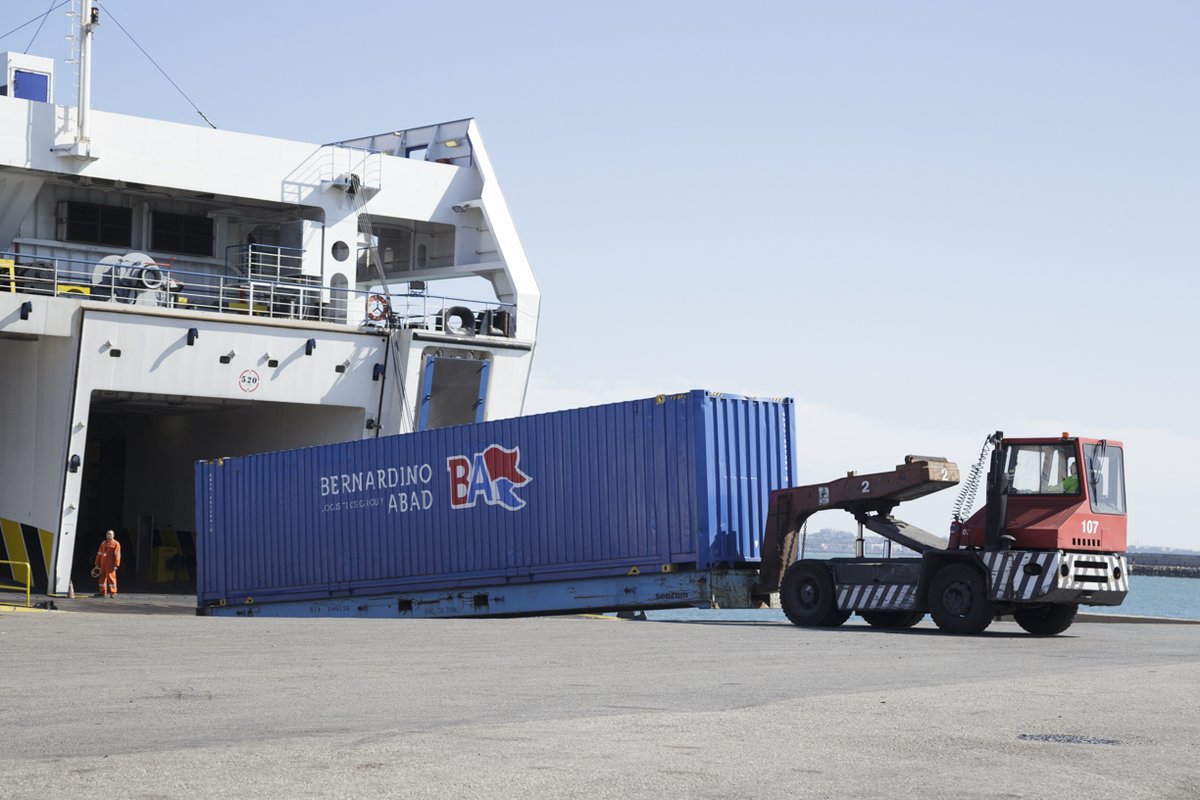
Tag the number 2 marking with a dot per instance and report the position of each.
(866, 487)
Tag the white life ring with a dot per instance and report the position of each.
(152, 277)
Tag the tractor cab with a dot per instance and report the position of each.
(1053, 494)
(1050, 538)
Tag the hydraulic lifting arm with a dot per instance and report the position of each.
(870, 498)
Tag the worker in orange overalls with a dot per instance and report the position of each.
(108, 558)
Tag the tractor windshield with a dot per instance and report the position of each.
(1042, 469)
(1106, 477)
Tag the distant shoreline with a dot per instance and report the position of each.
(1164, 572)
(1164, 565)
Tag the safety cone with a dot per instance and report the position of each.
(70, 590)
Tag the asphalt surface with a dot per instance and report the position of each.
(168, 705)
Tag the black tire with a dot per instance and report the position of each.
(1046, 619)
(894, 620)
(958, 600)
(457, 321)
(808, 598)
(36, 278)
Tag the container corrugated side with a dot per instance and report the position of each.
(680, 480)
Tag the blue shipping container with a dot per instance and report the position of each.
(680, 480)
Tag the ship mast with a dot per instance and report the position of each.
(89, 20)
(81, 146)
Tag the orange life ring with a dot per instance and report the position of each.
(377, 307)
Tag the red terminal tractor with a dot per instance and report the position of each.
(1050, 537)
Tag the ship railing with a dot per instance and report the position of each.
(264, 262)
(252, 293)
(454, 316)
(349, 167)
(352, 167)
(27, 586)
(32, 274)
(126, 282)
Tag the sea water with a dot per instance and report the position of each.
(1149, 596)
(1152, 596)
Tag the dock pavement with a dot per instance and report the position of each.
(154, 702)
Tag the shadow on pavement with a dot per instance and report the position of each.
(125, 603)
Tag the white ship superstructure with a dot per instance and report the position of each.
(171, 293)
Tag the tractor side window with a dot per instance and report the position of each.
(1106, 478)
(1042, 469)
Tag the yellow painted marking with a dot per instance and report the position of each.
(9, 266)
(668, 567)
(241, 305)
(9, 607)
(14, 542)
(634, 571)
(47, 538)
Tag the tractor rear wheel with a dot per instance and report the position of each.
(808, 598)
(892, 619)
(958, 600)
(1046, 619)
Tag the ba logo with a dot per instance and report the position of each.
(492, 476)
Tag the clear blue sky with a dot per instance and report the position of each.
(923, 220)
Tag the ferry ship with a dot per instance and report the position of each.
(170, 293)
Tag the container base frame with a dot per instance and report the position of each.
(723, 588)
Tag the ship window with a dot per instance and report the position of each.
(92, 223)
(31, 85)
(181, 233)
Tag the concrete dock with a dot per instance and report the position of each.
(168, 705)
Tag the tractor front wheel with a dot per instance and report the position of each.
(1046, 619)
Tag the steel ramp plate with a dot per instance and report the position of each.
(900, 532)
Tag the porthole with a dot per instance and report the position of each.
(341, 251)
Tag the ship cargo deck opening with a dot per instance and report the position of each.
(140, 459)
